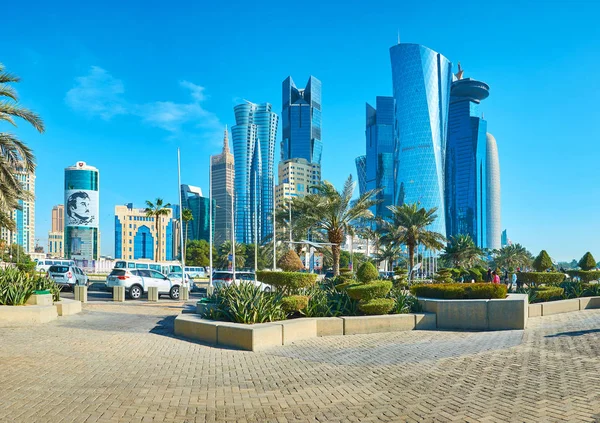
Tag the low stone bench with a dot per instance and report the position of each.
(563, 306)
(66, 307)
(354, 325)
(27, 315)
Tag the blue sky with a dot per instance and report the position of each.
(122, 86)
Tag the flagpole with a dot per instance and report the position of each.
(233, 237)
(210, 223)
(180, 219)
(274, 240)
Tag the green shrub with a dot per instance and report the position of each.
(367, 272)
(377, 306)
(443, 276)
(326, 301)
(542, 262)
(585, 276)
(245, 303)
(404, 302)
(287, 281)
(16, 286)
(587, 262)
(369, 291)
(547, 293)
(293, 303)
(345, 285)
(476, 275)
(549, 278)
(463, 291)
(45, 283)
(290, 262)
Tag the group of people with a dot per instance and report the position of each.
(494, 277)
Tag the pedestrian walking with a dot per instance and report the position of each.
(489, 275)
(496, 278)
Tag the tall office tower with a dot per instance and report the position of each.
(199, 227)
(380, 153)
(421, 80)
(24, 216)
(494, 227)
(136, 236)
(82, 209)
(504, 239)
(56, 236)
(254, 150)
(223, 176)
(361, 173)
(301, 121)
(296, 177)
(466, 162)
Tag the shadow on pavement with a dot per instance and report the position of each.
(165, 327)
(574, 333)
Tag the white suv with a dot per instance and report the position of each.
(137, 282)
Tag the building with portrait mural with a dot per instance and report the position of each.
(82, 213)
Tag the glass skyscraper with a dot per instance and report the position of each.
(466, 162)
(301, 121)
(361, 172)
(254, 150)
(494, 227)
(223, 171)
(199, 227)
(421, 86)
(24, 215)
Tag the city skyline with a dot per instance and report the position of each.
(530, 121)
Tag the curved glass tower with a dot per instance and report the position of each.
(254, 151)
(494, 231)
(81, 212)
(421, 81)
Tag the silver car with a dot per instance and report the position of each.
(68, 276)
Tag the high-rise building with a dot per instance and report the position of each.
(361, 173)
(199, 227)
(24, 216)
(254, 150)
(494, 227)
(136, 236)
(296, 177)
(56, 236)
(504, 241)
(301, 121)
(82, 212)
(223, 177)
(380, 145)
(421, 83)
(466, 162)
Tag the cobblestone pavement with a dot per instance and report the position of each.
(121, 363)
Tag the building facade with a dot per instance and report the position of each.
(56, 236)
(466, 162)
(494, 224)
(82, 212)
(254, 150)
(301, 121)
(199, 227)
(421, 89)
(296, 177)
(24, 216)
(222, 180)
(136, 235)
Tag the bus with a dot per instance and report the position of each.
(44, 265)
(165, 267)
(195, 271)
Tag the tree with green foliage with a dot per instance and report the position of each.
(542, 262)
(367, 272)
(157, 211)
(512, 256)
(187, 216)
(290, 262)
(408, 226)
(15, 155)
(197, 253)
(264, 258)
(461, 251)
(587, 262)
(17, 255)
(222, 261)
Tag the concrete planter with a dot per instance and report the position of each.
(66, 307)
(204, 307)
(495, 314)
(27, 315)
(40, 299)
(563, 306)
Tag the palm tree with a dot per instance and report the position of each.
(512, 256)
(367, 233)
(157, 210)
(334, 212)
(462, 251)
(15, 156)
(408, 226)
(187, 217)
(389, 253)
(224, 252)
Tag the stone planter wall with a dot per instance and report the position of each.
(563, 306)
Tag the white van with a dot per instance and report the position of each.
(44, 265)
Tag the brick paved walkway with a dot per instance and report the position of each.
(120, 363)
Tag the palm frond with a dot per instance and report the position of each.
(8, 91)
(10, 109)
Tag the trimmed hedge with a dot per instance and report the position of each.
(290, 262)
(377, 306)
(342, 286)
(459, 291)
(548, 293)
(287, 280)
(369, 291)
(294, 303)
(585, 276)
(367, 272)
(552, 278)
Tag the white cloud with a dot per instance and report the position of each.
(100, 94)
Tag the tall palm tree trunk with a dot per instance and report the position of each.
(335, 251)
(157, 227)
(411, 260)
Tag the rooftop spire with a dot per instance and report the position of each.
(225, 142)
(398, 35)
(460, 72)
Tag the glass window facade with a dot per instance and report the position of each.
(421, 87)
(361, 173)
(198, 228)
(143, 244)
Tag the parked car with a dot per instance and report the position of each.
(137, 282)
(67, 276)
(175, 277)
(225, 278)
